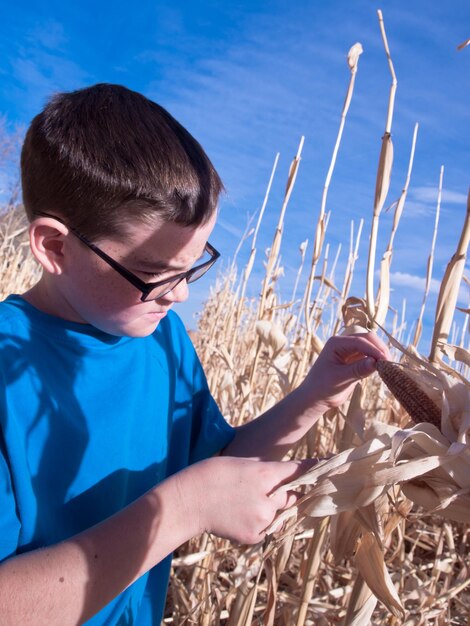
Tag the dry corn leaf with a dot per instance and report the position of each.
(249, 265)
(420, 440)
(345, 531)
(328, 283)
(318, 240)
(449, 290)
(370, 562)
(355, 420)
(373, 448)
(456, 353)
(354, 313)
(384, 172)
(370, 516)
(353, 56)
(361, 604)
(423, 495)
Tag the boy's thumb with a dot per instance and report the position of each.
(363, 367)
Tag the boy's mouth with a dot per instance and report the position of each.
(158, 314)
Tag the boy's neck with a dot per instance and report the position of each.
(49, 301)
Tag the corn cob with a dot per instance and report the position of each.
(410, 396)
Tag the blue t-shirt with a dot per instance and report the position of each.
(88, 423)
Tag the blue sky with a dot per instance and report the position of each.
(248, 79)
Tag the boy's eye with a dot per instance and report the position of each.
(152, 276)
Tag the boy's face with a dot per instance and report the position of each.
(90, 291)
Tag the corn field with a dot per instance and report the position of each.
(380, 533)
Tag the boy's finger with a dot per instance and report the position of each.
(292, 470)
(362, 368)
(363, 344)
(375, 339)
(284, 499)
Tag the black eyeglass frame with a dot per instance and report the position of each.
(138, 283)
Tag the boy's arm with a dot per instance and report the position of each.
(67, 583)
(343, 361)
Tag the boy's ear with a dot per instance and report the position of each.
(47, 242)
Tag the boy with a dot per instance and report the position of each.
(112, 451)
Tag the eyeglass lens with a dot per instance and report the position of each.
(190, 277)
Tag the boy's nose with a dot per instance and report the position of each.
(179, 293)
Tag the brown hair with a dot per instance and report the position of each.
(101, 156)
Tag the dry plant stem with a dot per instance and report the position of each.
(241, 613)
(348, 275)
(228, 318)
(404, 193)
(353, 59)
(315, 551)
(275, 248)
(316, 304)
(249, 265)
(276, 244)
(198, 571)
(449, 290)
(393, 87)
(330, 286)
(419, 323)
(303, 251)
(383, 179)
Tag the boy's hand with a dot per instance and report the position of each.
(342, 362)
(236, 498)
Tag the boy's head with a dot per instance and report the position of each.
(106, 156)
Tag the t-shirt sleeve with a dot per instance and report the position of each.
(211, 432)
(9, 523)
(199, 429)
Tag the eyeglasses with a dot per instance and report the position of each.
(150, 291)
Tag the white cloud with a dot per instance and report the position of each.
(46, 72)
(229, 228)
(411, 281)
(422, 201)
(418, 283)
(429, 195)
(49, 34)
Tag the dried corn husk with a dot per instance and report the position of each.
(271, 335)
(432, 470)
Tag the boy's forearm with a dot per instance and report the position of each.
(70, 582)
(272, 434)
